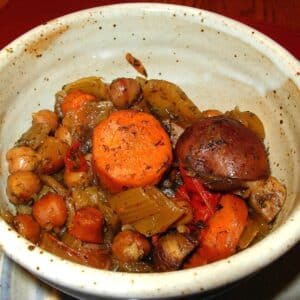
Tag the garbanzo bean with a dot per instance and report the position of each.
(62, 133)
(46, 117)
(52, 153)
(130, 246)
(22, 186)
(21, 159)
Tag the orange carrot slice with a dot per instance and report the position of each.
(130, 149)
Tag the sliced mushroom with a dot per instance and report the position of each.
(171, 250)
(267, 197)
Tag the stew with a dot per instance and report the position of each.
(131, 176)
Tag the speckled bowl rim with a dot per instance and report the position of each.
(76, 278)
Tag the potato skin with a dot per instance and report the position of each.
(223, 152)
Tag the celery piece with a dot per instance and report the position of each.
(148, 210)
(168, 101)
(133, 205)
(91, 85)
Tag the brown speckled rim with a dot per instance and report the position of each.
(88, 281)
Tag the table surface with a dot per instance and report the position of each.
(278, 19)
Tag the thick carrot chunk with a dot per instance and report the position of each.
(87, 225)
(221, 236)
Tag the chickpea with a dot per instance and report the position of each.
(50, 211)
(21, 186)
(77, 179)
(62, 133)
(27, 227)
(21, 159)
(124, 92)
(130, 246)
(46, 117)
(52, 153)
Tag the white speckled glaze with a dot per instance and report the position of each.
(218, 62)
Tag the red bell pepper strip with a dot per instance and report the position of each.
(182, 193)
(204, 202)
(74, 159)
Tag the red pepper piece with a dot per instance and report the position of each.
(154, 240)
(201, 211)
(204, 202)
(182, 193)
(74, 160)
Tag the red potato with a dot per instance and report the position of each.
(22, 186)
(224, 229)
(50, 211)
(52, 153)
(27, 227)
(223, 153)
(130, 246)
(87, 225)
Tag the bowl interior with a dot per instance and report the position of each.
(219, 63)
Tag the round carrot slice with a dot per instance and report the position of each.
(130, 149)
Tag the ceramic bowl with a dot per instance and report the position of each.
(218, 62)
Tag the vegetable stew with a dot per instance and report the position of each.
(131, 176)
